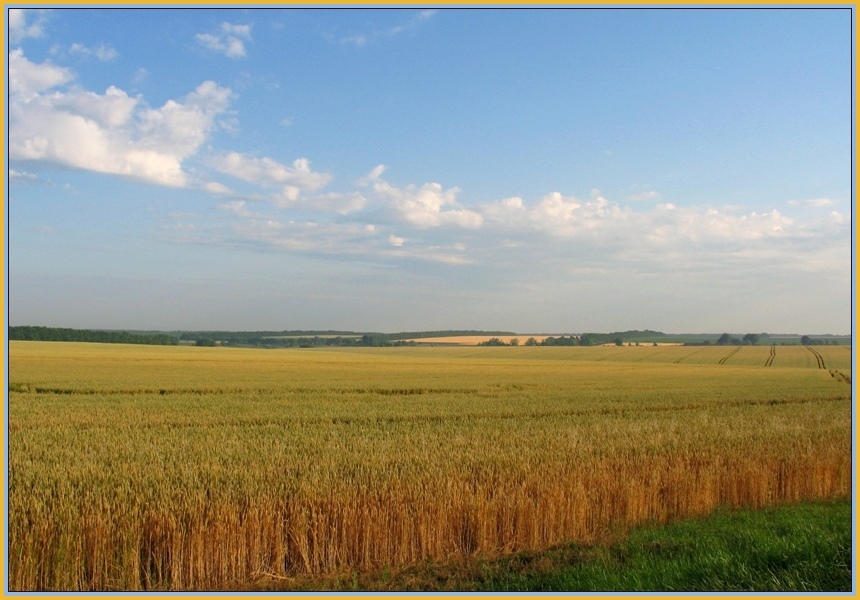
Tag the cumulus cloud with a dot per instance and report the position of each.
(598, 218)
(541, 239)
(26, 23)
(228, 40)
(559, 215)
(110, 132)
(573, 234)
(267, 172)
(428, 205)
(27, 79)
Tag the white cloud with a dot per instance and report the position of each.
(140, 75)
(421, 206)
(839, 219)
(237, 207)
(217, 188)
(335, 202)
(568, 216)
(576, 235)
(228, 40)
(415, 21)
(182, 127)
(27, 79)
(505, 214)
(15, 175)
(813, 203)
(603, 220)
(362, 39)
(371, 177)
(26, 23)
(268, 172)
(101, 52)
(648, 196)
(558, 238)
(108, 133)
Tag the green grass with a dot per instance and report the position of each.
(794, 548)
(799, 548)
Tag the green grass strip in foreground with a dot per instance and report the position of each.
(805, 547)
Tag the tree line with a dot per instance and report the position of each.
(313, 339)
(585, 339)
(64, 334)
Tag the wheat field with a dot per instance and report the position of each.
(177, 468)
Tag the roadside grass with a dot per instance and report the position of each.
(798, 548)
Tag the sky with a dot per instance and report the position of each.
(535, 170)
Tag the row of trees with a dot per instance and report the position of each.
(264, 341)
(750, 339)
(260, 339)
(313, 339)
(808, 341)
(63, 334)
(586, 339)
(755, 338)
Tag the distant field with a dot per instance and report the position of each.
(180, 468)
(474, 340)
(325, 336)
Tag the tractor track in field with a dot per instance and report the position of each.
(769, 361)
(688, 355)
(818, 357)
(840, 376)
(723, 360)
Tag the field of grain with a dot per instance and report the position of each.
(177, 468)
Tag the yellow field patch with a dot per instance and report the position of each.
(474, 340)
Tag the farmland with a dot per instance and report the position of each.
(177, 468)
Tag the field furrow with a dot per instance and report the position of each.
(818, 358)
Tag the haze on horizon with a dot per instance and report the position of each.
(530, 170)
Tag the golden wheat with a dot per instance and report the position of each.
(195, 468)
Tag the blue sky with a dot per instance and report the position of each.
(535, 170)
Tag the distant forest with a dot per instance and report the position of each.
(322, 338)
(258, 339)
(62, 334)
(313, 339)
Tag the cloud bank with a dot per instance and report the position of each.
(388, 223)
